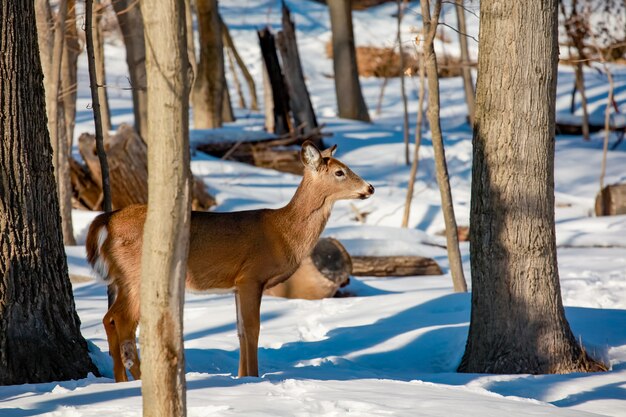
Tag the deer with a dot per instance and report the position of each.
(244, 252)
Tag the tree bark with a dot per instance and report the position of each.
(468, 84)
(452, 238)
(208, 89)
(40, 338)
(166, 234)
(518, 322)
(350, 102)
(131, 24)
(191, 44)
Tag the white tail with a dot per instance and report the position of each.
(245, 251)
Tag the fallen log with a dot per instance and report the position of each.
(128, 169)
(320, 275)
(611, 200)
(383, 266)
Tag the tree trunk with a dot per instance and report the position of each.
(350, 102)
(468, 84)
(40, 338)
(430, 66)
(131, 23)
(166, 234)
(518, 323)
(98, 45)
(579, 83)
(53, 42)
(299, 99)
(405, 109)
(97, 114)
(418, 142)
(208, 90)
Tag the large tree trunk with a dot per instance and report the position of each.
(430, 66)
(350, 102)
(131, 23)
(40, 336)
(166, 235)
(208, 88)
(518, 323)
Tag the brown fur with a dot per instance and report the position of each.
(247, 251)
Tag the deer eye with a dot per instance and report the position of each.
(339, 173)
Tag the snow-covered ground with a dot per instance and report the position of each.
(394, 347)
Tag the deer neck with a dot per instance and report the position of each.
(303, 219)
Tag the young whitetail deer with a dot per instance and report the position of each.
(244, 252)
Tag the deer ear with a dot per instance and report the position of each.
(310, 156)
(327, 153)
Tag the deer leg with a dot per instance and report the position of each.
(119, 372)
(128, 347)
(248, 301)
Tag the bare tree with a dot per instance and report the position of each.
(576, 28)
(418, 142)
(97, 115)
(452, 238)
(468, 84)
(40, 338)
(52, 38)
(166, 232)
(131, 24)
(350, 102)
(69, 71)
(518, 323)
(405, 113)
(228, 42)
(208, 88)
(98, 45)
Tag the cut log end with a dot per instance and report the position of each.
(611, 201)
(320, 275)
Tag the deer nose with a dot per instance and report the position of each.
(370, 189)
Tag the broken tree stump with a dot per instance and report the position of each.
(282, 122)
(611, 200)
(320, 275)
(299, 98)
(127, 156)
(383, 266)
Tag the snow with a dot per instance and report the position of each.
(393, 348)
